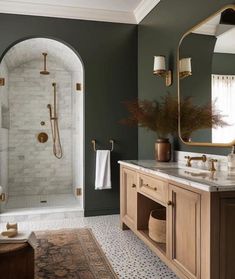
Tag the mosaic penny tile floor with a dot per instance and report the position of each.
(128, 255)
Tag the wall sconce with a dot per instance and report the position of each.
(159, 69)
(185, 67)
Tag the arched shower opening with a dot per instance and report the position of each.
(41, 131)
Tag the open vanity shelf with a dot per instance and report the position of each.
(148, 205)
(200, 225)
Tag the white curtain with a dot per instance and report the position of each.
(223, 93)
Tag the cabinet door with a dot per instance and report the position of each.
(227, 240)
(184, 230)
(128, 197)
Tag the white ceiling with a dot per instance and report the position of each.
(117, 5)
(124, 11)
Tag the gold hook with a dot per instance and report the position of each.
(112, 144)
(94, 144)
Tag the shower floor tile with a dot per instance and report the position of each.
(42, 201)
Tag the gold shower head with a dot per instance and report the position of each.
(45, 72)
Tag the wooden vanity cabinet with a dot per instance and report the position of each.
(141, 193)
(200, 225)
(227, 238)
(128, 192)
(225, 255)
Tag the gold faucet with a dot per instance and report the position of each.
(189, 159)
(212, 165)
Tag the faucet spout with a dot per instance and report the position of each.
(189, 159)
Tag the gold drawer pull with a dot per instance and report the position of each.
(152, 188)
(133, 185)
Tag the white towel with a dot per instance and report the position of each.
(102, 171)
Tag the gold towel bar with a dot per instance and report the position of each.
(94, 144)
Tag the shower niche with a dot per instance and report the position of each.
(40, 97)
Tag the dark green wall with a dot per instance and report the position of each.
(160, 33)
(223, 64)
(109, 54)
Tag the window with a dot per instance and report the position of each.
(223, 94)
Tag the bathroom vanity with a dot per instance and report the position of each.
(200, 215)
(199, 204)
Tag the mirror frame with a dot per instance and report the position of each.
(232, 6)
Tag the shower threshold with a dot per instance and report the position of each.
(37, 204)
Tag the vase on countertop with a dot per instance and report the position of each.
(163, 150)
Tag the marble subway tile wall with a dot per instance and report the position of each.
(33, 169)
(4, 126)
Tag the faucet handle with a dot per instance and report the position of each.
(212, 164)
(188, 164)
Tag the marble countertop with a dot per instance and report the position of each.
(198, 178)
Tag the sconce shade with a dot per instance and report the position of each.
(159, 64)
(159, 69)
(185, 67)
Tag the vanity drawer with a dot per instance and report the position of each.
(153, 187)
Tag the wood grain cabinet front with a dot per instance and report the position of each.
(128, 205)
(153, 187)
(200, 225)
(184, 230)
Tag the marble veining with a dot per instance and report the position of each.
(33, 169)
(29, 168)
(198, 178)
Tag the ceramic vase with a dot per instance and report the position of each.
(163, 150)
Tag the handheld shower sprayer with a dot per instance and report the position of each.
(57, 147)
(50, 111)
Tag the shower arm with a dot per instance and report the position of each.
(45, 61)
(44, 71)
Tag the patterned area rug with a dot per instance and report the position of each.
(70, 254)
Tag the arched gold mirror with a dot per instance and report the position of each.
(206, 81)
